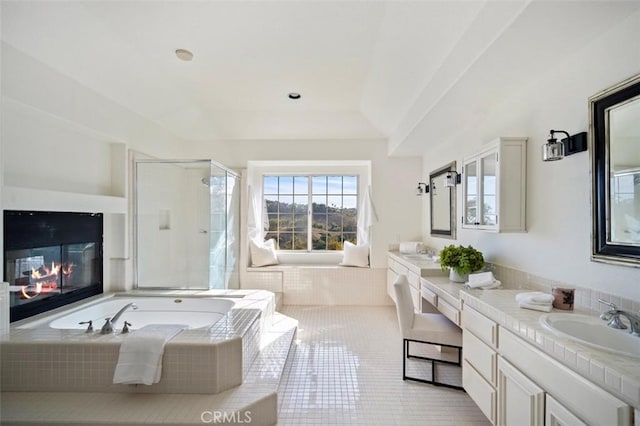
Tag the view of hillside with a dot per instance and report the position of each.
(330, 227)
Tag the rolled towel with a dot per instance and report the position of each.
(535, 307)
(535, 298)
(410, 247)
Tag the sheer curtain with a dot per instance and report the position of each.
(367, 217)
(258, 221)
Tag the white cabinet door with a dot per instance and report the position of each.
(494, 186)
(520, 401)
(557, 415)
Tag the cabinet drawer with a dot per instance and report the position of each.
(429, 295)
(481, 356)
(449, 311)
(482, 393)
(577, 394)
(413, 279)
(391, 278)
(415, 296)
(481, 326)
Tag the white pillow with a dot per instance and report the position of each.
(355, 255)
(263, 254)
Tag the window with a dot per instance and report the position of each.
(330, 201)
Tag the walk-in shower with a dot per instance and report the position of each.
(186, 224)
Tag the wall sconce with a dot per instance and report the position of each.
(452, 178)
(556, 150)
(422, 189)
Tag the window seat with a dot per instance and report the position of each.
(288, 266)
(320, 284)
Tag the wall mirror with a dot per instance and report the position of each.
(442, 203)
(615, 152)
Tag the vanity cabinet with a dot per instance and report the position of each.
(520, 400)
(479, 368)
(514, 383)
(494, 186)
(395, 268)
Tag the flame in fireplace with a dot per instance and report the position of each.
(45, 279)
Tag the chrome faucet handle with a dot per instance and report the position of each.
(89, 328)
(606, 316)
(609, 304)
(125, 329)
(616, 323)
(107, 328)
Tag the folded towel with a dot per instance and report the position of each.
(411, 247)
(483, 280)
(140, 359)
(535, 307)
(535, 298)
(484, 285)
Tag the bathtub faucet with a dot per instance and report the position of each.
(109, 323)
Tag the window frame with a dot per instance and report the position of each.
(310, 194)
(253, 178)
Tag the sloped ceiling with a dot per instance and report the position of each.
(365, 69)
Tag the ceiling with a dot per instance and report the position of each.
(365, 69)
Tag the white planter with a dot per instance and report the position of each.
(456, 277)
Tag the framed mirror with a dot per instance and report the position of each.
(615, 154)
(442, 203)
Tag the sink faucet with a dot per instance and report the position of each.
(613, 316)
(109, 323)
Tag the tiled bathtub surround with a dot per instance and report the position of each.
(196, 361)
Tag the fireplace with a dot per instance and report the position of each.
(51, 259)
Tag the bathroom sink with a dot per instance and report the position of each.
(594, 332)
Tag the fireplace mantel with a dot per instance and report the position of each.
(17, 198)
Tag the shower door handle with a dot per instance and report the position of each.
(203, 231)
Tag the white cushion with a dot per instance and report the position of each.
(263, 254)
(355, 255)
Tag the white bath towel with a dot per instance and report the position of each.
(535, 307)
(483, 280)
(411, 247)
(140, 359)
(535, 298)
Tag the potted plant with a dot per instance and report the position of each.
(460, 261)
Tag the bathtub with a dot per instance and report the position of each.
(193, 313)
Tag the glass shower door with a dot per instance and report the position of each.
(172, 224)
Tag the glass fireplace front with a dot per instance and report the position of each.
(51, 259)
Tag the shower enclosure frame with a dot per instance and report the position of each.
(136, 217)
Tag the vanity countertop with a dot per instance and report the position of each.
(618, 374)
(421, 266)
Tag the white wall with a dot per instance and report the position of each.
(59, 135)
(393, 179)
(557, 245)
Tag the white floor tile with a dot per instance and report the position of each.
(346, 369)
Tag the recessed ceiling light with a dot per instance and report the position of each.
(184, 55)
(294, 95)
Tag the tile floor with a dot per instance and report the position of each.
(345, 368)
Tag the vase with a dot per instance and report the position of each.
(456, 277)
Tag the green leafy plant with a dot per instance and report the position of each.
(463, 260)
